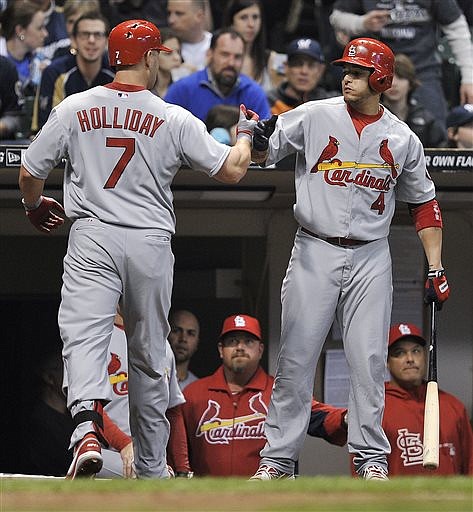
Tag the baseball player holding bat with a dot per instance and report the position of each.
(354, 159)
(122, 145)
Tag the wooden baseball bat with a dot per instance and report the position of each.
(431, 412)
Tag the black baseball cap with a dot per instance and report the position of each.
(305, 46)
(460, 115)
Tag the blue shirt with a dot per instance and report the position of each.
(198, 95)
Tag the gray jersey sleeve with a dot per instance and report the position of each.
(45, 153)
(199, 149)
(288, 137)
(415, 184)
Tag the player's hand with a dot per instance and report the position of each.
(246, 123)
(436, 288)
(262, 132)
(127, 459)
(43, 217)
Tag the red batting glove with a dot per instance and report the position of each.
(246, 123)
(42, 216)
(436, 288)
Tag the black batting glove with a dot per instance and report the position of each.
(262, 132)
(436, 288)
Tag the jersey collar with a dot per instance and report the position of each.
(118, 86)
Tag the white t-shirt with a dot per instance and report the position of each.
(195, 54)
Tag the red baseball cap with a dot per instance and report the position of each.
(241, 323)
(400, 331)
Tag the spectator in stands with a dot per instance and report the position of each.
(23, 30)
(304, 68)
(220, 82)
(403, 419)
(116, 11)
(247, 18)
(399, 99)
(74, 73)
(460, 127)
(221, 123)
(184, 341)
(412, 28)
(188, 20)
(56, 26)
(225, 412)
(10, 111)
(72, 11)
(168, 62)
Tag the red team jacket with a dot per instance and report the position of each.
(403, 423)
(226, 432)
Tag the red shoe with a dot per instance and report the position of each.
(87, 459)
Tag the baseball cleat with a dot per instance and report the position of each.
(266, 472)
(374, 473)
(87, 459)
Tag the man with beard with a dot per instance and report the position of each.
(304, 69)
(225, 412)
(221, 81)
(70, 74)
(184, 340)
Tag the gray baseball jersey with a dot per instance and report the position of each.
(353, 191)
(122, 150)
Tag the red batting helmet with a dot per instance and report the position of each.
(130, 40)
(370, 53)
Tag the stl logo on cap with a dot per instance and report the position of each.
(239, 321)
(352, 51)
(404, 329)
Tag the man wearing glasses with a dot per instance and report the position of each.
(225, 412)
(86, 67)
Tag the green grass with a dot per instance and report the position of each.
(318, 494)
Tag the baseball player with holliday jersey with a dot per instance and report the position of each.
(354, 159)
(122, 146)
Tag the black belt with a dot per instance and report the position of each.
(338, 240)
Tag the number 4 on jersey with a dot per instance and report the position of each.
(129, 150)
(379, 204)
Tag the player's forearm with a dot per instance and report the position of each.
(431, 239)
(31, 187)
(236, 164)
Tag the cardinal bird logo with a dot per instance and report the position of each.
(257, 405)
(387, 156)
(329, 151)
(114, 364)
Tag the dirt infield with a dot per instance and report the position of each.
(318, 494)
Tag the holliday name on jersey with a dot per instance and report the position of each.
(131, 119)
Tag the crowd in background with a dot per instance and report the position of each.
(277, 53)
